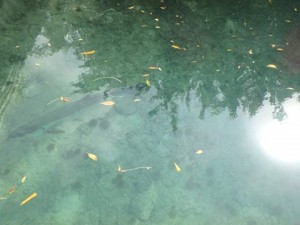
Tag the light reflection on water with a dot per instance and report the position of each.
(280, 139)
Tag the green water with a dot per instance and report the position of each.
(183, 76)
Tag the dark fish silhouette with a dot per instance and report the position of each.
(56, 114)
(73, 107)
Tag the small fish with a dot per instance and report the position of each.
(177, 168)
(137, 100)
(199, 151)
(23, 179)
(88, 53)
(33, 195)
(108, 103)
(92, 156)
(131, 7)
(154, 68)
(273, 66)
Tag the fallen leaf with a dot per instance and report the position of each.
(154, 68)
(88, 53)
(273, 66)
(108, 103)
(23, 179)
(92, 156)
(177, 168)
(199, 151)
(148, 83)
(33, 195)
(119, 168)
(65, 99)
(177, 47)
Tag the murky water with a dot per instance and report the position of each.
(191, 109)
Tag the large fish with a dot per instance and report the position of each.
(73, 107)
(57, 114)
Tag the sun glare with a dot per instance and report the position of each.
(281, 140)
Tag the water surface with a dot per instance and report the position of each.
(183, 76)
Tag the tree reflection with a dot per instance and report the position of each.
(221, 55)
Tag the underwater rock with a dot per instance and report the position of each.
(144, 203)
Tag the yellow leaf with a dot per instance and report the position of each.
(177, 47)
(33, 195)
(23, 179)
(148, 82)
(88, 53)
(273, 66)
(199, 151)
(177, 168)
(92, 156)
(119, 168)
(107, 103)
(154, 68)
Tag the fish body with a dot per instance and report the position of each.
(55, 115)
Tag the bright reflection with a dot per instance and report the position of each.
(281, 140)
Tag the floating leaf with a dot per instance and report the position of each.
(33, 195)
(23, 179)
(65, 99)
(88, 53)
(62, 98)
(119, 168)
(92, 156)
(273, 66)
(154, 68)
(108, 103)
(177, 47)
(177, 168)
(199, 151)
(148, 83)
